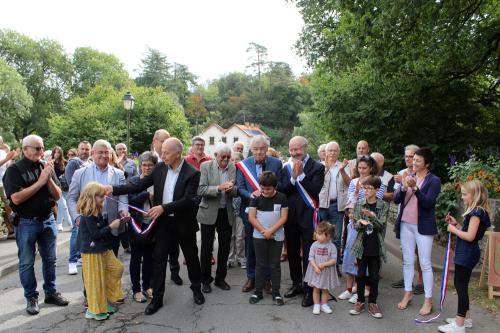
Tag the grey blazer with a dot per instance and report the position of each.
(85, 175)
(207, 189)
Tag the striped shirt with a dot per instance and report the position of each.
(361, 193)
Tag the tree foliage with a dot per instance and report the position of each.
(398, 72)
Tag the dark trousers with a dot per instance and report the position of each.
(224, 232)
(141, 256)
(169, 231)
(461, 280)
(373, 264)
(295, 235)
(267, 255)
(173, 257)
(115, 244)
(249, 248)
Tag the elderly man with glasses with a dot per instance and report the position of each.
(215, 213)
(32, 188)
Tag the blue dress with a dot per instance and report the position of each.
(349, 260)
(468, 253)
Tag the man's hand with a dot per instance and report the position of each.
(123, 214)
(155, 212)
(11, 155)
(344, 164)
(255, 194)
(298, 168)
(47, 172)
(109, 189)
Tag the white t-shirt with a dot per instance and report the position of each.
(3, 155)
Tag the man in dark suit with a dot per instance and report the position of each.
(299, 227)
(175, 186)
(255, 165)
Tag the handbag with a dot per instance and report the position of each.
(397, 225)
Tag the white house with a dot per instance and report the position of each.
(244, 133)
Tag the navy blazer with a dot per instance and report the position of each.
(244, 188)
(93, 235)
(312, 183)
(426, 201)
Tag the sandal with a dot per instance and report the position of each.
(423, 314)
(139, 297)
(402, 307)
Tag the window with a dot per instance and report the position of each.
(212, 140)
(224, 139)
(235, 139)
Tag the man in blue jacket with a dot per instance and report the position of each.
(247, 174)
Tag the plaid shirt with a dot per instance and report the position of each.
(379, 225)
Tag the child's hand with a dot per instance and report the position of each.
(450, 219)
(317, 270)
(452, 228)
(115, 224)
(364, 222)
(320, 265)
(268, 234)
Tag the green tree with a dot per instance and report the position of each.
(47, 73)
(155, 70)
(399, 72)
(94, 68)
(100, 114)
(15, 102)
(258, 57)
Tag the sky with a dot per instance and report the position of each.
(209, 36)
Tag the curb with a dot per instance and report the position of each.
(395, 250)
(13, 265)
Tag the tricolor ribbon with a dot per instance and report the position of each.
(310, 202)
(248, 174)
(444, 282)
(137, 228)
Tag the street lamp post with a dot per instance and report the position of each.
(128, 104)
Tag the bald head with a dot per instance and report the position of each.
(298, 147)
(362, 148)
(160, 136)
(171, 152)
(379, 159)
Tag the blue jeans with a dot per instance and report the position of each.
(74, 254)
(336, 218)
(44, 233)
(62, 211)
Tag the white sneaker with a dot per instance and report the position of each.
(326, 308)
(60, 227)
(345, 295)
(72, 269)
(353, 299)
(451, 328)
(316, 309)
(467, 324)
(79, 262)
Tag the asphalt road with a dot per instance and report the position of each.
(224, 311)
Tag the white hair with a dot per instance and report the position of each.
(120, 144)
(413, 148)
(332, 143)
(177, 143)
(301, 138)
(28, 140)
(259, 138)
(101, 142)
(321, 147)
(222, 148)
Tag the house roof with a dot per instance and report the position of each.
(249, 129)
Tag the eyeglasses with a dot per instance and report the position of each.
(368, 188)
(37, 148)
(225, 157)
(409, 156)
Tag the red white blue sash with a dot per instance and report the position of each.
(444, 282)
(135, 226)
(309, 200)
(248, 174)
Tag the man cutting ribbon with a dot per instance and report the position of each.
(301, 181)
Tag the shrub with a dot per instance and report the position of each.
(487, 171)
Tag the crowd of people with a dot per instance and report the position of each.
(326, 217)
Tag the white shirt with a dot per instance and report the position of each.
(3, 155)
(168, 190)
(334, 171)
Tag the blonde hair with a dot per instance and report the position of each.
(87, 204)
(479, 196)
(326, 228)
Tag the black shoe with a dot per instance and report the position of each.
(206, 288)
(294, 291)
(198, 297)
(419, 289)
(176, 278)
(56, 299)
(222, 285)
(307, 300)
(398, 284)
(32, 306)
(278, 300)
(255, 298)
(152, 308)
